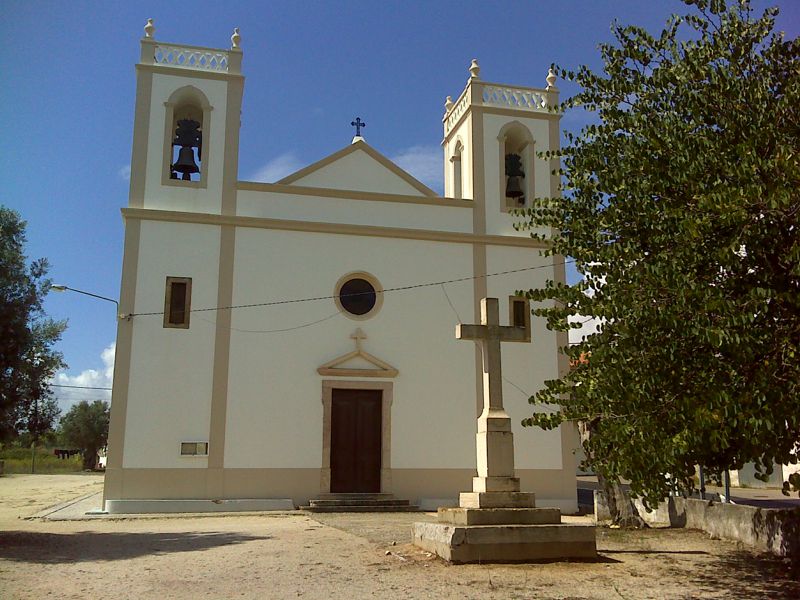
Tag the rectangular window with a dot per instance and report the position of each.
(520, 313)
(194, 448)
(177, 302)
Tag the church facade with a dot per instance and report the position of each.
(281, 341)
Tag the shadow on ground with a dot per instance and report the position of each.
(746, 576)
(84, 546)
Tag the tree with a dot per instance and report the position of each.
(38, 418)
(680, 209)
(27, 359)
(85, 426)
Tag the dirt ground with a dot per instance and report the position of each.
(297, 555)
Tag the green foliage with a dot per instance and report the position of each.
(681, 209)
(17, 459)
(27, 359)
(38, 417)
(85, 426)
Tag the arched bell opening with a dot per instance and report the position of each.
(186, 145)
(516, 166)
(456, 171)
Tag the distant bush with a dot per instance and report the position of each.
(18, 460)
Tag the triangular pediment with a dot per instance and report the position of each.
(357, 363)
(359, 167)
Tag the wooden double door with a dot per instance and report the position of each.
(356, 425)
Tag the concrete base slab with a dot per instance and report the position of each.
(500, 516)
(197, 506)
(497, 500)
(506, 543)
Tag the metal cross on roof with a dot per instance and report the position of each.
(358, 124)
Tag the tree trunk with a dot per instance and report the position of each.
(89, 459)
(620, 505)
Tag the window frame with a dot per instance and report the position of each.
(194, 454)
(514, 300)
(373, 281)
(168, 301)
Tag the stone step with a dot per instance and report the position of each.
(361, 509)
(353, 496)
(357, 502)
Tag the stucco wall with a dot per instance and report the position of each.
(498, 222)
(358, 171)
(177, 197)
(464, 134)
(169, 396)
(526, 366)
(351, 211)
(274, 394)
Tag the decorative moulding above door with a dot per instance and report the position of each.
(337, 367)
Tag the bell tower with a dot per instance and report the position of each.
(186, 126)
(492, 133)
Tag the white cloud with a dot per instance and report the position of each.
(98, 378)
(278, 168)
(424, 163)
(125, 173)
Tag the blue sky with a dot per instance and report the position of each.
(67, 91)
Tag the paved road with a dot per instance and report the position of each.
(760, 497)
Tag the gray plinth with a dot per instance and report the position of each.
(506, 543)
(505, 533)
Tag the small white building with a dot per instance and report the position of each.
(285, 340)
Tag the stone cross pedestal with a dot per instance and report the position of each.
(495, 485)
(495, 522)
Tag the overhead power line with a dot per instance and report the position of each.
(80, 387)
(331, 297)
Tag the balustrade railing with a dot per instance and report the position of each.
(458, 109)
(495, 95)
(503, 96)
(188, 57)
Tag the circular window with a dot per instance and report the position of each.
(358, 295)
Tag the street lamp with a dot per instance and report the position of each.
(57, 287)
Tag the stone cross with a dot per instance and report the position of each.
(489, 334)
(358, 124)
(495, 443)
(358, 335)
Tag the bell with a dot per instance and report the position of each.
(185, 163)
(513, 188)
(514, 172)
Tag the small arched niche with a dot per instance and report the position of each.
(456, 170)
(516, 149)
(187, 120)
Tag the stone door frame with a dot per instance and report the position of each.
(387, 395)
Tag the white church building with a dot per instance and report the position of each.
(284, 341)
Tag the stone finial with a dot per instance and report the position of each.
(551, 78)
(236, 39)
(474, 69)
(448, 104)
(149, 29)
